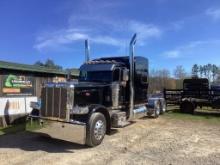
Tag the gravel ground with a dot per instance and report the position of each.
(147, 141)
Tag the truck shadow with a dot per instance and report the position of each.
(29, 141)
(113, 131)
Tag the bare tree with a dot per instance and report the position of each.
(160, 79)
(179, 72)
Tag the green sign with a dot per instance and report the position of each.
(18, 85)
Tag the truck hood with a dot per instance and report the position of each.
(85, 93)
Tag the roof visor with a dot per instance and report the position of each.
(97, 67)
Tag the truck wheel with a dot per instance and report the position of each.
(187, 107)
(157, 108)
(35, 112)
(96, 129)
(163, 107)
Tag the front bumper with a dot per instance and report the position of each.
(73, 131)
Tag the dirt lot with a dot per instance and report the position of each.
(165, 140)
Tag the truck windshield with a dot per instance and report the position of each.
(97, 76)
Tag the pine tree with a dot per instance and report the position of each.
(195, 70)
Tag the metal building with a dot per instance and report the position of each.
(20, 84)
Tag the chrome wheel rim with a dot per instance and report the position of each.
(99, 130)
(164, 108)
(158, 109)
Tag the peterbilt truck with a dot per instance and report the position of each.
(110, 92)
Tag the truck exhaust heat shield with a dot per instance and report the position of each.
(87, 50)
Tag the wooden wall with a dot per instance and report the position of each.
(38, 78)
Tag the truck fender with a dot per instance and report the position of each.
(102, 109)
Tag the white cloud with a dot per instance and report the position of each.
(58, 38)
(95, 33)
(97, 21)
(107, 40)
(172, 54)
(143, 30)
(63, 37)
(214, 13)
(189, 49)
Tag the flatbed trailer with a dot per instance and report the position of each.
(195, 93)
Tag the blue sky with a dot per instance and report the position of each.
(170, 32)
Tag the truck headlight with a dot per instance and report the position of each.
(80, 110)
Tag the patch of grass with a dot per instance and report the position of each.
(196, 117)
(28, 126)
(12, 129)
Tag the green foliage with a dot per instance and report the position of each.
(48, 64)
(195, 70)
(209, 71)
(196, 118)
(161, 78)
(39, 63)
(27, 126)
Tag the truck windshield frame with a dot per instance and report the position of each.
(96, 76)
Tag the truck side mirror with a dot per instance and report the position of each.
(125, 76)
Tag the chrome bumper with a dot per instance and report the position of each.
(69, 131)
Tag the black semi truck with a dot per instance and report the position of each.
(110, 92)
(196, 92)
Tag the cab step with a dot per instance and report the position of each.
(119, 119)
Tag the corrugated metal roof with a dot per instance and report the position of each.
(34, 68)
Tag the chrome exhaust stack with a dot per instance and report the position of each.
(87, 50)
(131, 61)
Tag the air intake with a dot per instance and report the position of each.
(87, 50)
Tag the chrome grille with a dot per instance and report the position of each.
(54, 101)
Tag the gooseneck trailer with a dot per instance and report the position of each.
(110, 93)
(196, 92)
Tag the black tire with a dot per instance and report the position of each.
(187, 107)
(163, 107)
(35, 112)
(94, 125)
(157, 109)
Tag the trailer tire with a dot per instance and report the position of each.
(163, 107)
(96, 129)
(157, 108)
(187, 107)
